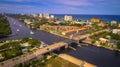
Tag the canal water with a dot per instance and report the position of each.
(98, 56)
(19, 30)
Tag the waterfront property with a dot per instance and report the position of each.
(116, 31)
(11, 49)
(65, 30)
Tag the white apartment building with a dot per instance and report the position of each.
(116, 31)
(46, 15)
(67, 18)
(113, 22)
(40, 15)
(52, 16)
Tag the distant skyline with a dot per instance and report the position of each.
(106, 7)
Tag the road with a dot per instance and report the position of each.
(26, 57)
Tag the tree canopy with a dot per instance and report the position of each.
(4, 27)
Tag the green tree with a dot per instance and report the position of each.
(5, 29)
(34, 43)
(25, 39)
(118, 44)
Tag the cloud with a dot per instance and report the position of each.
(22, 0)
(19, 8)
(64, 2)
(13, 8)
(60, 6)
(74, 2)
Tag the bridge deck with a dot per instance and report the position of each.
(27, 57)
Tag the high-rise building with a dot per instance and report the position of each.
(52, 16)
(40, 15)
(67, 18)
(46, 15)
(34, 15)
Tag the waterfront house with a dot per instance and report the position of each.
(101, 24)
(116, 31)
(103, 40)
(113, 22)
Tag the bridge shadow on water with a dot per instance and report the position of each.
(97, 56)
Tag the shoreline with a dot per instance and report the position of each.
(108, 48)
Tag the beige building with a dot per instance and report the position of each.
(46, 15)
(119, 25)
(40, 15)
(103, 40)
(67, 18)
(116, 31)
(102, 24)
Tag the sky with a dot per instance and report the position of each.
(106, 7)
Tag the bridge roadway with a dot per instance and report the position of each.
(26, 57)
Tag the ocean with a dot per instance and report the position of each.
(106, 18)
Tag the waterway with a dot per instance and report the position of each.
(98, 56)
(19, 30)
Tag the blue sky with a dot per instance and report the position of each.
(108, 7)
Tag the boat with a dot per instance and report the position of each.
(31, 32)
(79, 45)
(18, 30)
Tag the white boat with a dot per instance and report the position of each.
(79, 45)
(31, 32)
(18, 30)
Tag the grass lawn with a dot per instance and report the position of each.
(59, 62)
